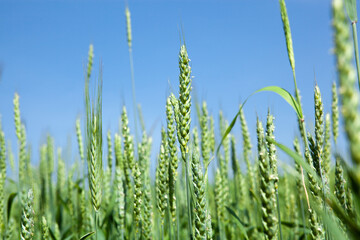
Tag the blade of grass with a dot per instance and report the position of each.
(241, 224)
(86, 236)
(275, 89)
(352, 13)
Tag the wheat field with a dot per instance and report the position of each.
(110, 193)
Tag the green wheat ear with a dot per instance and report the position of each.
(287, 31)
(128, 27)
(270, 127)
(340, 183)
(94, 168)
(200, 208)
(137, 196)
(90, 61)
(147, 206)
(171, 138)
(110, 156)
(45, 229)
(334, 112)
(247, 151)
(128, 161)
(94, 137)
(327, 148)
(184, 100)
(162, 183)
(267, 188)
(27, 218)
(20, 134)
(79, 140)
(205, 135)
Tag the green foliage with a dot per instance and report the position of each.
(315, 199)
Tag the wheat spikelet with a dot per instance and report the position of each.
(162, 178)
(171, 138)
(184, 100)
(270, 127)
(138, 185)
(148, 215)
(267, 189)
(200, 208)
(247, 151)
(109, 156)
(128, 144)
(205, 135)
(319, 122)
(94, 168)
(90, 61)
(27, 218)
(287, 32)
(128, 27)
(79, 140)
(120, 201)
(340, 183)
(94, 137)
(45, 229)
(60, 178)
(334, 112)
(326, 156)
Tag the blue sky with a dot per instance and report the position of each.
(236, 47)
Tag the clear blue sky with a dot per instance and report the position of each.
(236, 47)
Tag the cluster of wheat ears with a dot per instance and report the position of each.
(313, 199)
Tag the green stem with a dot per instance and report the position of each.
(221, 234)
(303, 128)
(177, 219)
(279, 215)
(169, 220)
(96, 225)
(302, 212)
(162, 231)
(133, 93)
(188, 195)
(353, 25)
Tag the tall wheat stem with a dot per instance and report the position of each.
(129, 38)
(356, 47)
(188, 195)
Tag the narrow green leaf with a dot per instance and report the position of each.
(69, 237)
(228, 130)
(109, 212)
(285, 95)
(280, 91)
(333, 227)
(87, 235)
(351, 9)
(331, 200)
(293, 225)
(235, 216)
(298, 159)
(241, 223)
(52, 235)
(9, 203)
